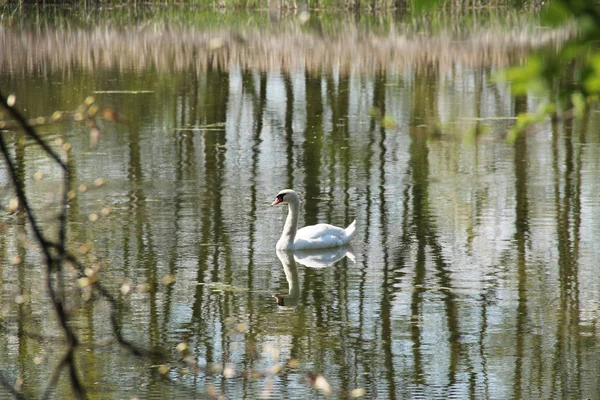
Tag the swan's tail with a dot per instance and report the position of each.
(350, 231)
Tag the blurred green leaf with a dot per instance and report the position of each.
(573, 73)
(556, 13)
(578, 7)
(594, 62)
(388, 122)
(590, 76)
(591, 83)
(579, 103)
(525, 120)
(572, 50)
(526, 77)
(375, 112)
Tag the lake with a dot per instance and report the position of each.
(473, 273)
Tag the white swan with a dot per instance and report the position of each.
(320, 236)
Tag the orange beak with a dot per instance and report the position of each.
(277, 201)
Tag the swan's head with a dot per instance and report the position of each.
(286, 196)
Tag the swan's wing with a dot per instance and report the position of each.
(323, 242)
(318, 231)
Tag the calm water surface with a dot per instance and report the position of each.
(473, 273)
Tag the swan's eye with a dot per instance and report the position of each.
(280, 197)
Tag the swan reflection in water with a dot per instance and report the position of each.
(320, 258)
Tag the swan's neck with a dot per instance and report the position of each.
(286, 241)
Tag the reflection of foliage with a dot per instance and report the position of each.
(577, 63)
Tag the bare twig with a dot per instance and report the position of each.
(56, 254)
(114, 307)
(52, 263)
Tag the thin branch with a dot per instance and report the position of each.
(52, 264)
(31, 133)
(55, 254)
(114, 307)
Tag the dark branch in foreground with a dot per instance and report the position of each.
(52, 263)
(56, 254)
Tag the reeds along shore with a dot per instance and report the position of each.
(358, 5)
(167, 47)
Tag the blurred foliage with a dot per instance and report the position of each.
(567, 80)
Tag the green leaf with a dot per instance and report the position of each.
(527, 77)
(525, 120)
(556, 13)
(594, 62)
(579, 103)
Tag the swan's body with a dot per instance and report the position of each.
(320, 236)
